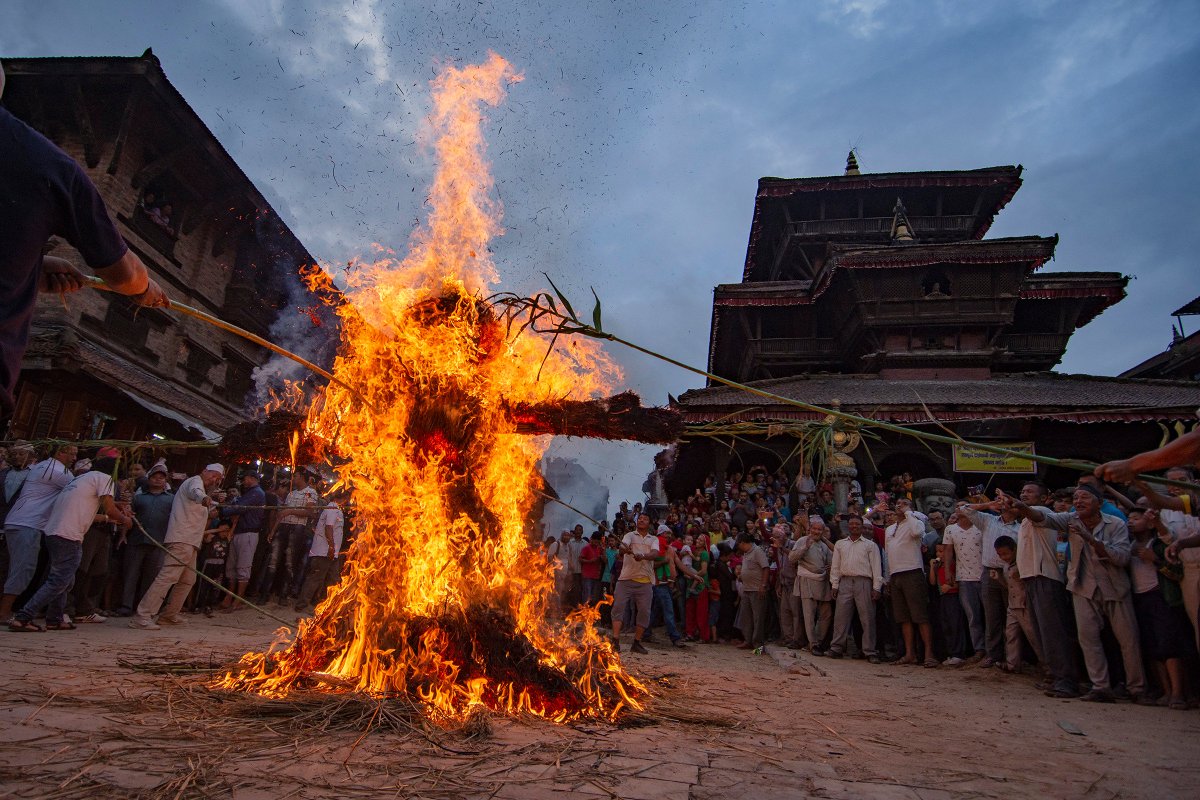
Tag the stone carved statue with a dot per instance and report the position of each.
(655, 485)
(934, 494)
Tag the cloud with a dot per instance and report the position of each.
(861, 18)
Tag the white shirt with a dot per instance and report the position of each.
(968, 551)
(631, 568)
(993, 528)
(1180, 525)
(77, 504)
(903, 543)
(1144, 576)
(32, 509)
(332, 515)
(1037, 550)
(299, 498)
(189, 515)
(856, 558)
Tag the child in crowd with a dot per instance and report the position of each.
(1018, 622)
(1165, 634)
(949, 610)
(213, 550)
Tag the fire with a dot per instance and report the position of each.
(444, 597)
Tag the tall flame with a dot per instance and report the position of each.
(444, 596)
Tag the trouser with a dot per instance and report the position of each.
(726, 611)
(1090, 618)
(854, 594)
(23, 546)
(631, 603)
(695, 616)
(1049, 608)
(592, 591)
(754, 617)
(665, 604)
(140, 565)
(322, 570)
(970, 596)
(300, 565)
(817, 616)
(173, 582)
(574, 590)
(995, 611)
(93, 569)
(1191, 596)
(1020, 623)
(51, 597)
(208, 595)
(791, 624)
(954, 626)
(285, 551)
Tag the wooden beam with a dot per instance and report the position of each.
(812, 272)
(91, 149)
(160, 165)
(131, 104)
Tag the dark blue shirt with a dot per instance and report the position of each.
(43, 193)
(154, 512)
(252, 518)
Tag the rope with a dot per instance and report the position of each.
(218, 584)
(100, 285)
(596, 522)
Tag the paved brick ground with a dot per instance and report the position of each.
(74, 723)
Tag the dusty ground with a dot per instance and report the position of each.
(75, 723)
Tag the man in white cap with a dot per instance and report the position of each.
(190, 512)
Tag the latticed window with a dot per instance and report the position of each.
(123, 324)
(199, 362)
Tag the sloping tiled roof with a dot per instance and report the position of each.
(1006, 177)
(1192, 307)
(1036, 249)
(58, 344)
(1077, 398)
(1033, 250)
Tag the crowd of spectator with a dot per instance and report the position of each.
(81, 547)
(1092, 588)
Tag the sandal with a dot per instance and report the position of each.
(60, 626)
(20, 626)
(932, 663)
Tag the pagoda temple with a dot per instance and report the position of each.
(879, 294)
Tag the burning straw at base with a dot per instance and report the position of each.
(443, 598)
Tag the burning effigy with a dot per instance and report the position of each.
(432, 424)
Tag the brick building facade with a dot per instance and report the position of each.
(99, 368)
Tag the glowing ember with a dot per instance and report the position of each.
(443, 598)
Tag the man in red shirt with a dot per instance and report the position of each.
(591, 562)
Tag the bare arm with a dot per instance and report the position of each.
(1184, 450)
(113, 511)
(129, 276)
(1159, 500)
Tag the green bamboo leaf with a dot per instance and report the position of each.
(596, 311)
(549, 300)
(566, 303)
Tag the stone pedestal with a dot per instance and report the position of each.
(840, 472)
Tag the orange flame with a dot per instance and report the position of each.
(444, 597)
